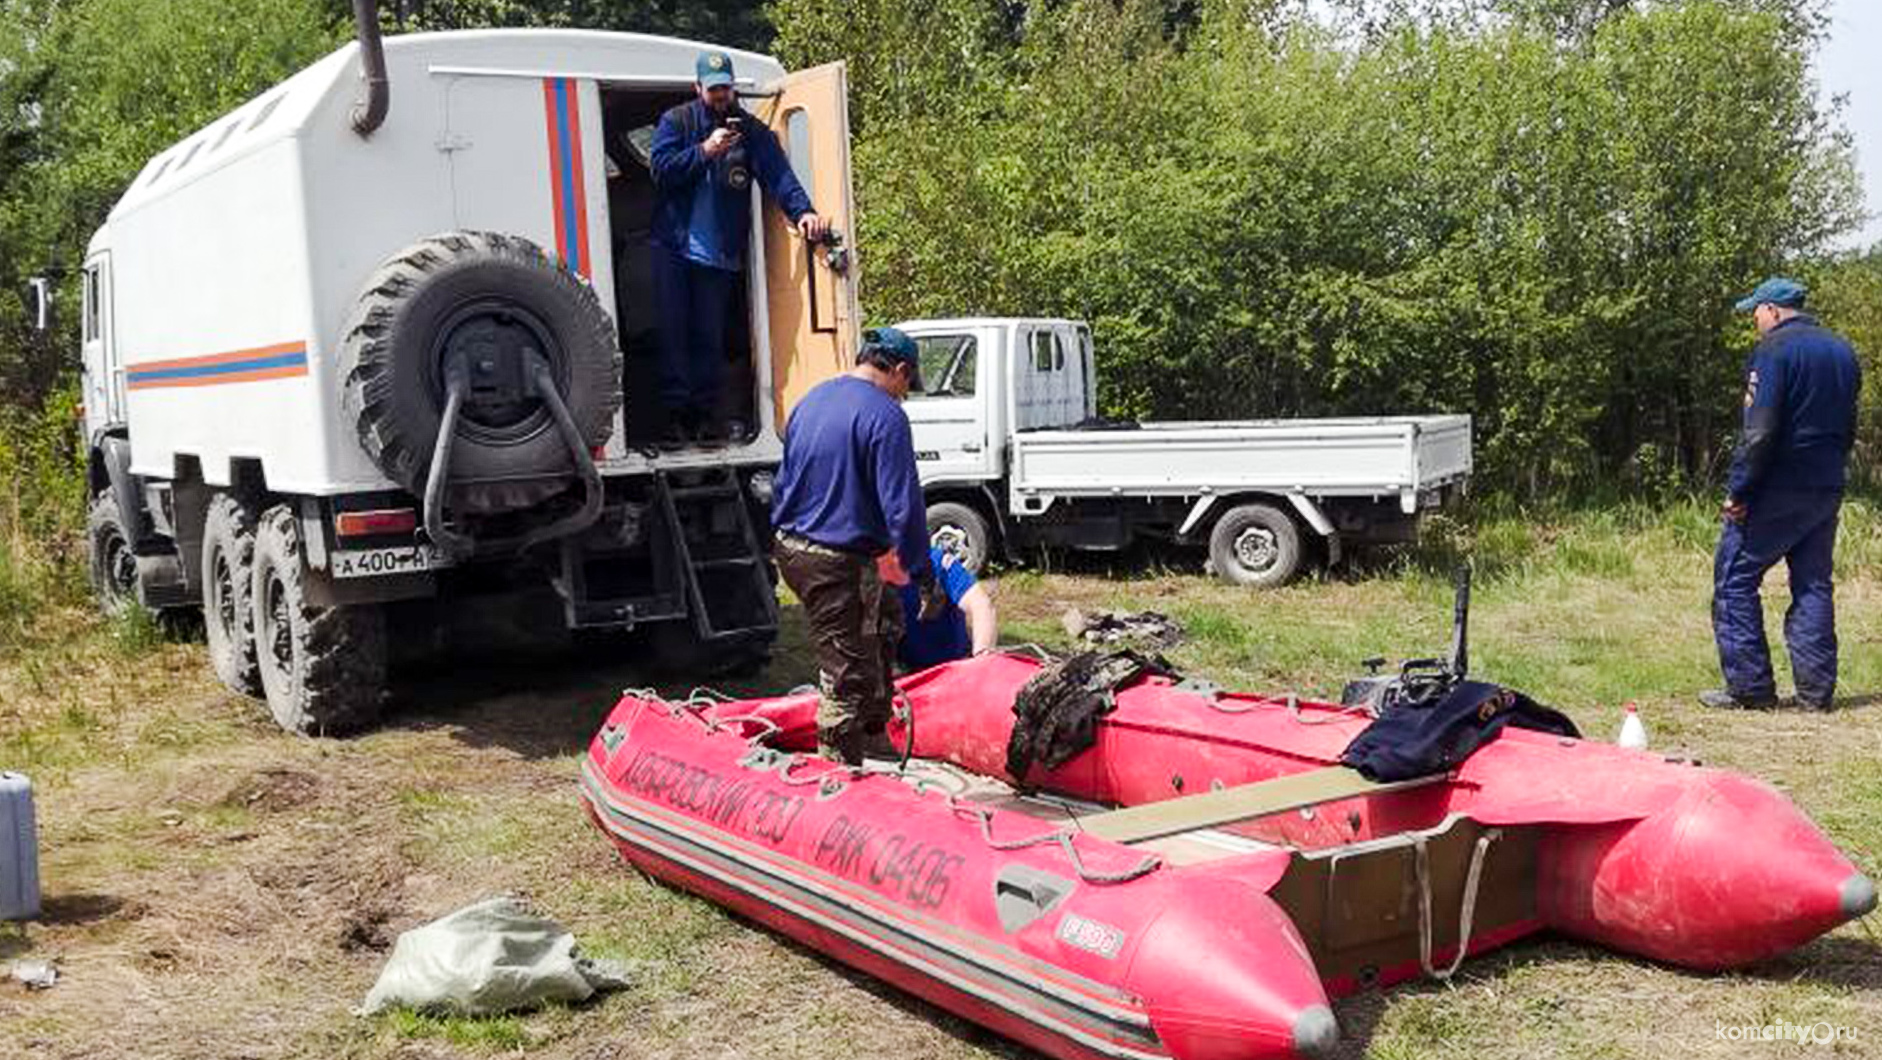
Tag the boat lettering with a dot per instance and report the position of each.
(715, 797)
(908, 869)
(1090, 935)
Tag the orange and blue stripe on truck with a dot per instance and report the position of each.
(279, 361)
(562, 112)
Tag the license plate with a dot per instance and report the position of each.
(374, 562)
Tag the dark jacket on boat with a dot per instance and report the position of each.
(1416, 739)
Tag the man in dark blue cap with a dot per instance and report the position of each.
(852, 527)
(1781, 501)
(704, 156)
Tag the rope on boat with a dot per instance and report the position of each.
(1213, 696)
(832, 780)
(1466, 914)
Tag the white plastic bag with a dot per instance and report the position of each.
(495, 956)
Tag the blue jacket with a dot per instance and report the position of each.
(848, 480)
(1801, 385)
(697, 215)
(942, 639)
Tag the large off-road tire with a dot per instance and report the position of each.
(479, 299)
(962, 531)
(112, 564)
(1257, 545)
(228, 581)
(323, 668)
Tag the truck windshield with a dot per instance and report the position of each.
(947, 365)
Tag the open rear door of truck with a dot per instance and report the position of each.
(810, 291)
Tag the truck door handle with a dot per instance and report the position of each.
(970, 447)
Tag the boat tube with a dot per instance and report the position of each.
(1200, 881)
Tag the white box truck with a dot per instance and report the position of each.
(1013, 457)
(384, 333)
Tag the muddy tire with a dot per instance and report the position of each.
(323, 668)
(1256, 545)
(478, 299)
(228, 580)
(112, 564)
(960, 530)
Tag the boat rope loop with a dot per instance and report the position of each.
(1466, 914)
(1213, 695)
(1062, 837)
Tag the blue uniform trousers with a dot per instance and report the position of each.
(1798, 527)
(693, 301)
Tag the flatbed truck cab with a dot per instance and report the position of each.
(344, 351)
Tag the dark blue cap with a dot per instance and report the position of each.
(713, 68)
(896, 346)
(1775, 291)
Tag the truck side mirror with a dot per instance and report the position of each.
(40, 302)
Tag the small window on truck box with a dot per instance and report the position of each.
(89, 323)
(1047, 356)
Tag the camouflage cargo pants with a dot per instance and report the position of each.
(855, 628)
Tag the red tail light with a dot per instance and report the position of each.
(384, 521)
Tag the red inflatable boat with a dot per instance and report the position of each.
(1202, 879)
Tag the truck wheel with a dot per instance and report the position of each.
(478, 301)
(960, 531)
(228, 582)
(323, 668)
(1255, 544)
(113, 565)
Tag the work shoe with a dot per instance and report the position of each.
(1719, 699)
(1822, 705)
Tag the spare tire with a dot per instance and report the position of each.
(475, 302)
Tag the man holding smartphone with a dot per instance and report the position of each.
(704, 156)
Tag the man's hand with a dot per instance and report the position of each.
(934, 599)
(1733, 510)
(812, 227)
(889, 568)
(721, 141)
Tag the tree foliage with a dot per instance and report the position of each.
(1538, 213)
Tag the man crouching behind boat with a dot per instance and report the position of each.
(851, 528)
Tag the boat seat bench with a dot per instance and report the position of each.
(1211, 809)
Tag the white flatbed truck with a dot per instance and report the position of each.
(1013, 457)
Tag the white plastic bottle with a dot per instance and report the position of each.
(1633, 733)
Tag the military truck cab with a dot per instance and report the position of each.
(343, 350)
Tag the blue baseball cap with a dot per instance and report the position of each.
(712, 69)
(1775, 291)
(898, 347)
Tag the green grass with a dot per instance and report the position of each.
(143, 763)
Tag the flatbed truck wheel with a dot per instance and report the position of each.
(323, 668)
(113, 565)
(228, 583)
(961, 531)
(1256, 545)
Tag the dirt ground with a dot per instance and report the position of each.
(216, 889)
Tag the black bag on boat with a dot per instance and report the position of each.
(1055, 714)
(1415, 738)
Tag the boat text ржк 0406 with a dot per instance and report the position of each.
(1200, 881)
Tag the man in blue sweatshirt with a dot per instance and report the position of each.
(851, 527)
(704, 156)
(1781, 501)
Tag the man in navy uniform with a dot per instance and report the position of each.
(1781, 501)
(704, 156)
(851, 527)
(968, 625)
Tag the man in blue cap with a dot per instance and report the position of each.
(704, 156)
(1781, 501)
(851, 527)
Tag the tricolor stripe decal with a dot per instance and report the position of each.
(562, 112)
(279, 361)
